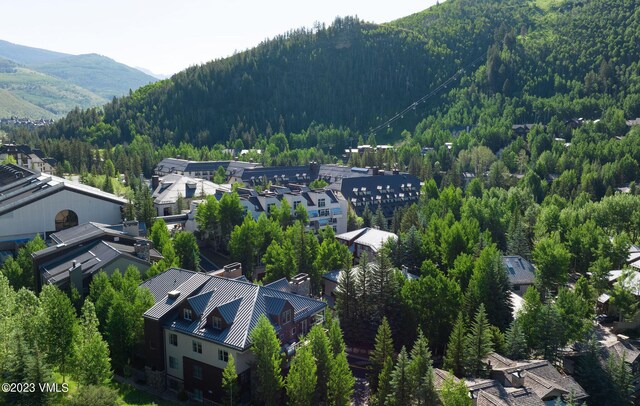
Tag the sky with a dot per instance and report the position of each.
(165, 36)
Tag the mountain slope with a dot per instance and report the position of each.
(530, 60)
(45, 92)
(24, 55)
(99, 74)
(45, 84)
(13, 106)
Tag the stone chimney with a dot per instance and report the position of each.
(132, 228)
(233, 270)
(300, 284)
(155, 182)
(142, 248)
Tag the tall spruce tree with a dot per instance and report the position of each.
(322, 353)
(401, 389)
(455, 355)
(515, 342)
(341, 381)
(421, 372)
(478, 344)
(383, 349)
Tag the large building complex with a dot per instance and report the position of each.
(199, 320)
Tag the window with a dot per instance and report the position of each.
(197, 372)
(197, 395)
(187, 314)
(223, 355)
(173, 339)
(66, 219)
(293, 332)
(304, 326)
(173, 363)
(295, 205)
(323, 212)
(286, 316)
(216, 322)
(197, 346)
(516, 287)
(321, 203)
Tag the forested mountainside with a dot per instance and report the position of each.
(350, 74)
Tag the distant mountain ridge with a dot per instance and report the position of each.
(48, 84)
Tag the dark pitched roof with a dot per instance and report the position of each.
(240, 303)
(387, 191)
(621, 349)
(519, 270)
(11, 173)
(92, 257)
(279, 174)
(543, 369)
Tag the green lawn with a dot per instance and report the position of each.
(133, 397)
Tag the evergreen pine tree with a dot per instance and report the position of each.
(421, 372)
(335, 338)
(455, 355)
(401, 389)
(322, 353)
(515, 342)
(478, 344)
(517, 238)
(341, 381)
(383, 349)
(381, 396)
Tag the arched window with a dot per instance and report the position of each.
(66, 219)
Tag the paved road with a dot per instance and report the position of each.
(361, 389)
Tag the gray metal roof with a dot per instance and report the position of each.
(171, 279)
(281, 284)
(240, 303)
(519, 270)
(92, 257)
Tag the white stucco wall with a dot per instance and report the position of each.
(40, 216)
(209, 354)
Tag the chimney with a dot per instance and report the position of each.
(300, 284)
(232, 271)
(375, 171)
(142, 248)
(132, 228)
(517, 379)
(75, 276)
(155, 182)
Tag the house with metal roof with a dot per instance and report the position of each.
(33, 203)
(169, 189)
(198, 320)
(367, 239)
(521, 273)
(76, 254)
(386, 191)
